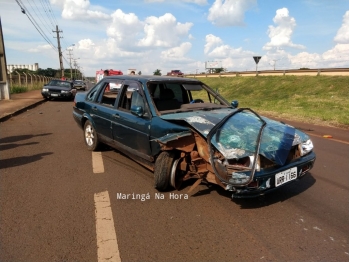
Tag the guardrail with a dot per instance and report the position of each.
(310, 72)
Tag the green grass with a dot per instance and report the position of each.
(18, 89)
(315, 99)
(21, 89)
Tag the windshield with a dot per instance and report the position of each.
(184, 96)
(59, 83)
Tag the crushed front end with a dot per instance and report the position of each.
(252, 155)
(238, 150)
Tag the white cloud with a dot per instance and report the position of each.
(40, 48)
(124, 28)
(79, 10)
(335, 57)
(304, 60)
(229, 12)
(85, 44)
(176, 52)
(343, 32)
(280, 36)
(211, 42)
(163, 31)
(230, 57)
(199, 2)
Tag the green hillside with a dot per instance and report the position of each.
(314, 99)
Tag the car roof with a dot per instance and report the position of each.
(147, 78)
(60, 80)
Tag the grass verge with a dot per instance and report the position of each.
(320, 100)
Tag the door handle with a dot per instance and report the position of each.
(116, 116)
(94, 108)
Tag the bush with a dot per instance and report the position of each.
(18, 89)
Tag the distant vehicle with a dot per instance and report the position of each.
(100, 73)
(175, 73)
(79, 84)
(182, 129)
(58, 89)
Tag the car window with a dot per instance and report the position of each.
(132, 95)
(91, 96)
(183, 96)
(64, 84)
(108, 95)
(177, 91)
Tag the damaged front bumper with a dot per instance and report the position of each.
(265, 181)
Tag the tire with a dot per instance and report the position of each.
(90, 137)
(162, 172)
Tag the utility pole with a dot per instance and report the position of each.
(70, 58)
(4, 81)
(59, 50)
(75, 65)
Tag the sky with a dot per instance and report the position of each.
(188, 35)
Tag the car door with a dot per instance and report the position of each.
(130, 130)
(103, 109)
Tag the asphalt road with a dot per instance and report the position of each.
(55, 196)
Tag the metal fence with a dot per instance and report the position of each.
(27, 80)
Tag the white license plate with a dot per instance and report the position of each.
(54, 94)
(285, 176)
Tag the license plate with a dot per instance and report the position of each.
(54, 94)
(285, 176)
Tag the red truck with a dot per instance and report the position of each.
(100, 73)
(175, 73)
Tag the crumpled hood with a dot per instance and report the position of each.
(239, 134)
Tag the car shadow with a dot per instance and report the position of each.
(22, 160)
(13, 145)
(60, 100)
(279, 195)
(12, 139)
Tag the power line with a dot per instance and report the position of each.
(47, 12)
(36, 25)
(49, 8)
(39, 15)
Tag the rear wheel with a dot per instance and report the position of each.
(163, 168)
(91, 138)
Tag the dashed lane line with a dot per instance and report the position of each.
(107, 244)
(97, 162)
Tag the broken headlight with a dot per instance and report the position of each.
(306, 147)
(240, 177)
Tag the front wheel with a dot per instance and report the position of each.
(90, 136)
(163, 169)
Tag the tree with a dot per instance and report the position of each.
(139, 73)
(218, 70)
(47, 72)
(157, 72)
(23, 70)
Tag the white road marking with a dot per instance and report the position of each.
(107, 244)
(97, 162)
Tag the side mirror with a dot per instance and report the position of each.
(137, 111)
(234, 103)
